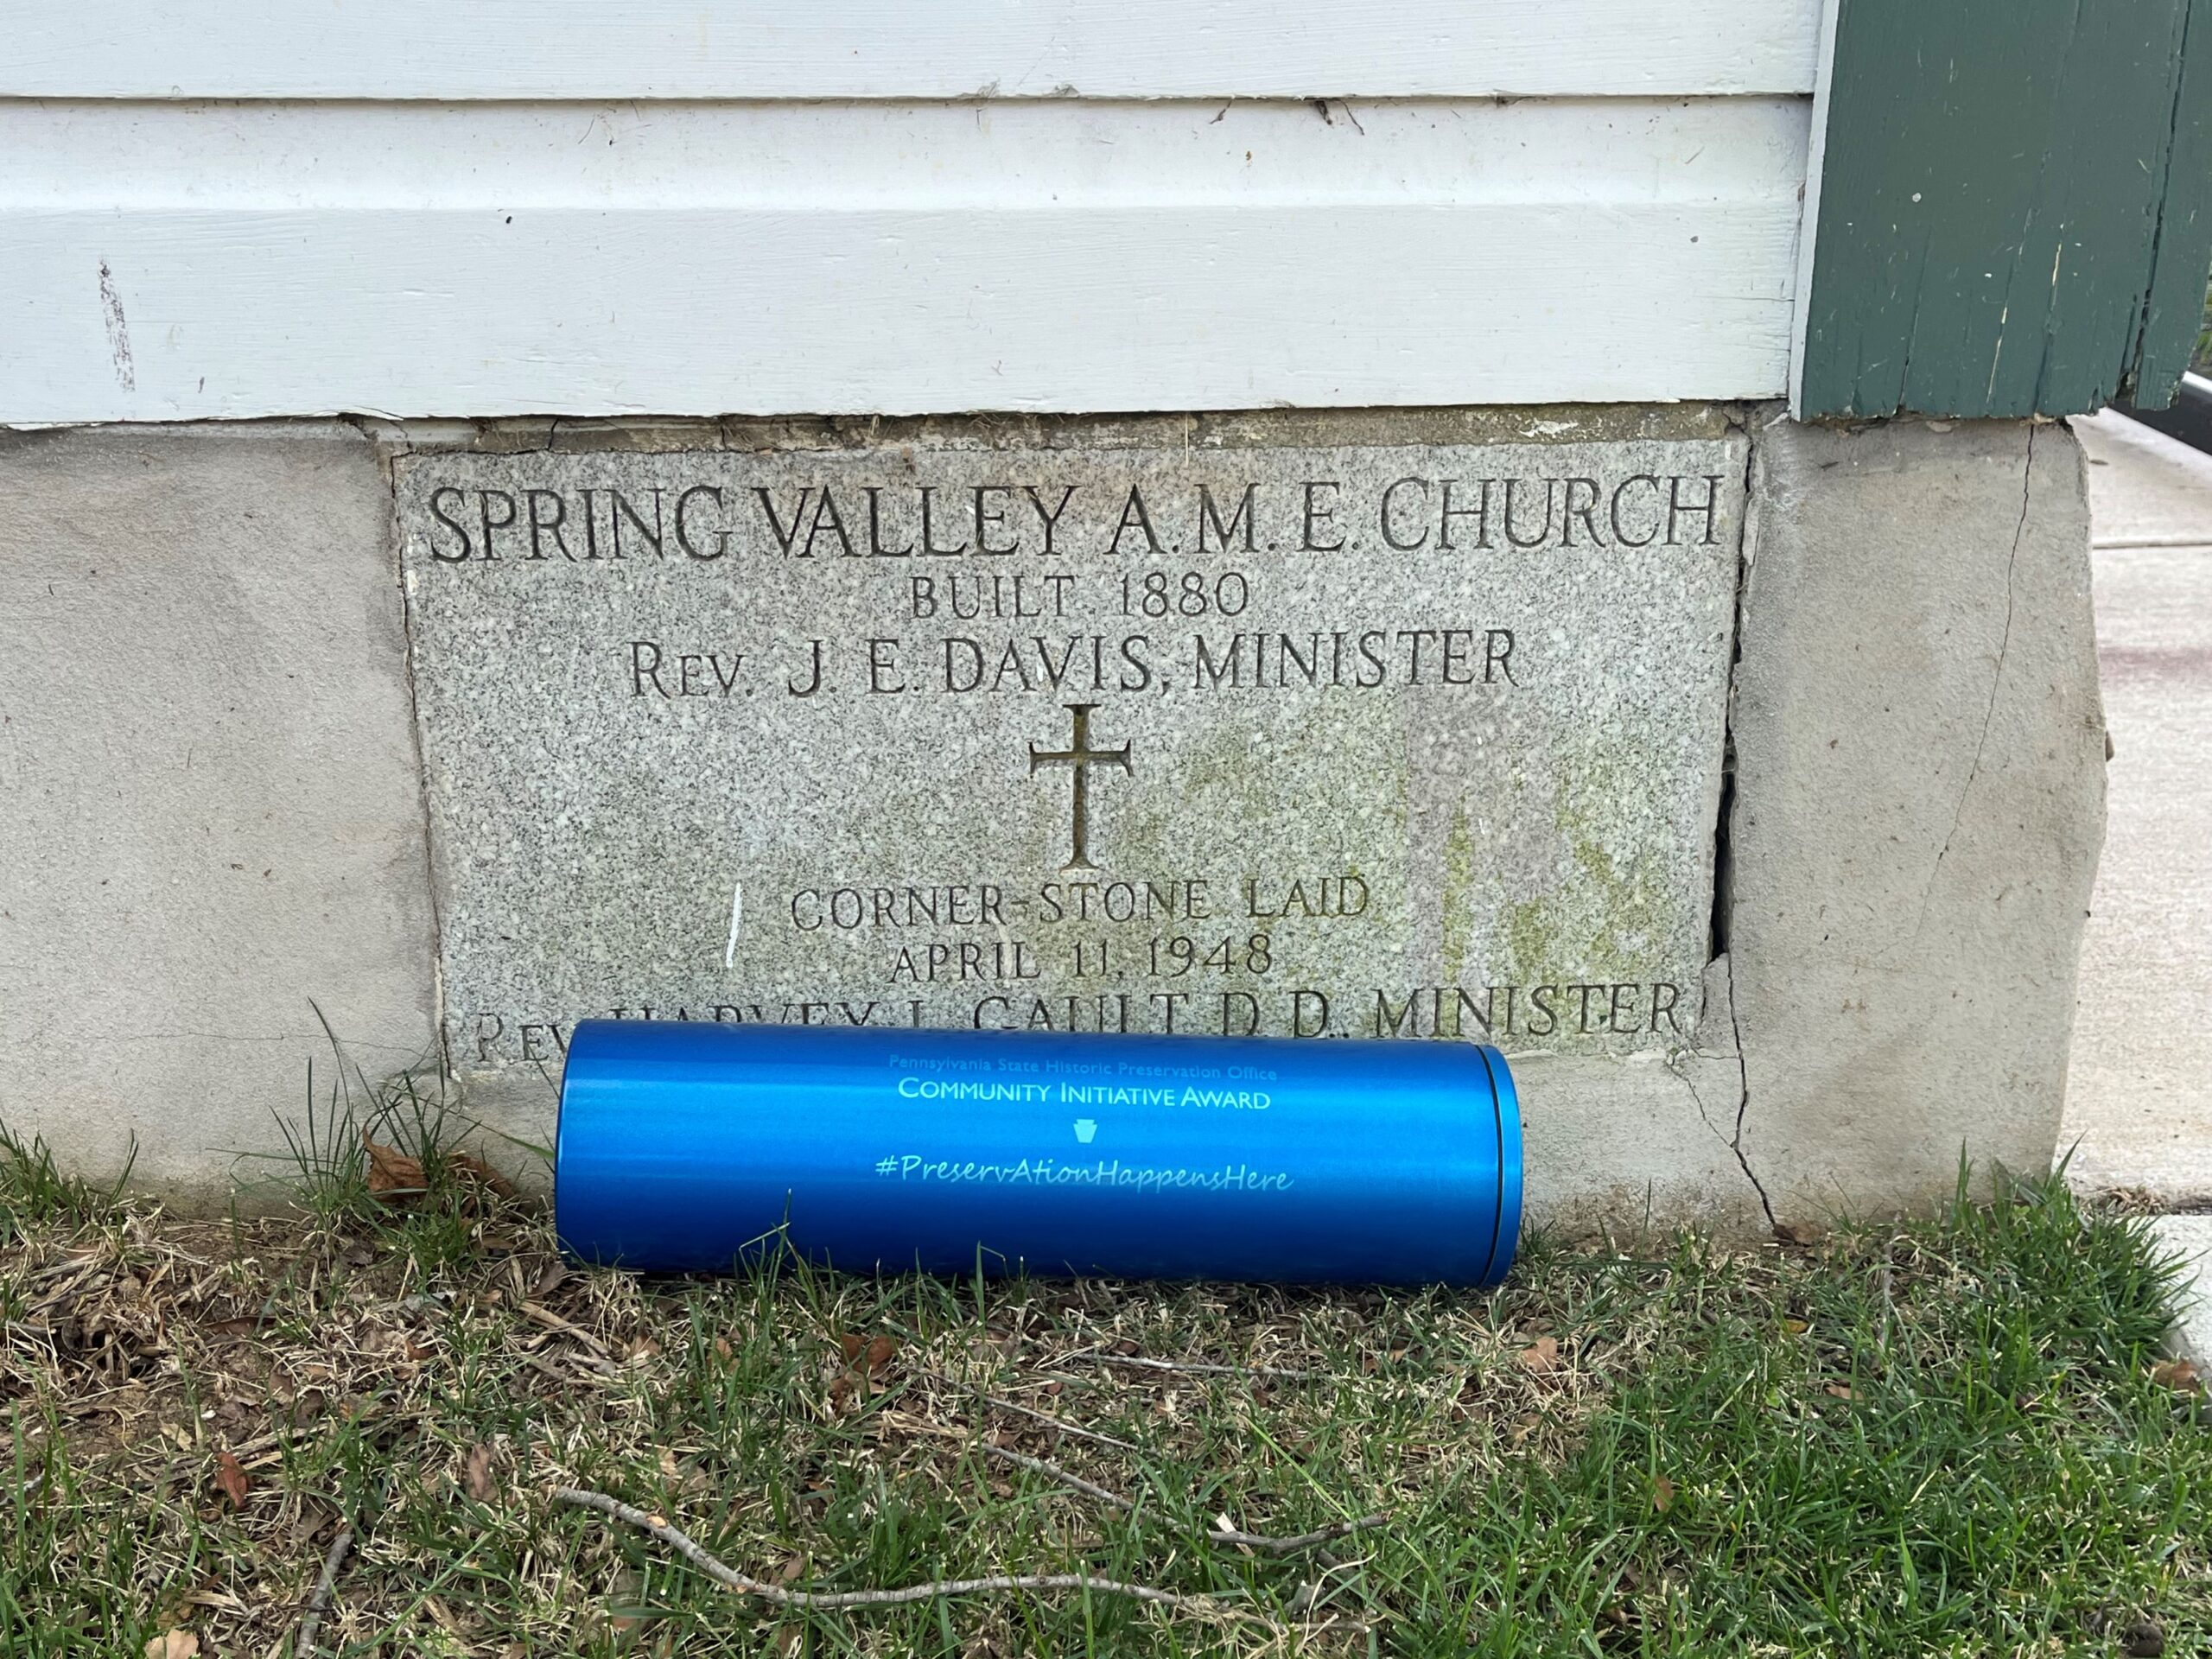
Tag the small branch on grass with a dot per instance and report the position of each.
(1278, 1372)
(683, 1545)
(1228, 1539)
(597, 1377)
(1112, 1500)
(1059, 1424)
(552, 1321)
(1302, 1541)
(313, 1620)
(68, 1264)
(597, 1355)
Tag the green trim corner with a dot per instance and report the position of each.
(2014, 207)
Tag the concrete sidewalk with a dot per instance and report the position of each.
(2138, 1109)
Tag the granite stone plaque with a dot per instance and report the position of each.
(1347, 740)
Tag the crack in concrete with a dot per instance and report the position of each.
(1723, 845)
(1697, 1097)
(1744, 1096)
(1996, 686)
(1732, 1138)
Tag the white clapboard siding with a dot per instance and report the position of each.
(521, 49)
(170, 261)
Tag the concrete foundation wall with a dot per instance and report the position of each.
(212, 821)
(1919, 804)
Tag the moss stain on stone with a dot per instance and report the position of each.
(1230, 780)
(1458, 881)
(1607, 916)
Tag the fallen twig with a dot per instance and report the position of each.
(552, 1321)
(591, 1379)
(1226, 1537)
(597, 1355)
(1112, 1499)
(699, 1557)
(84, 1263)
(1281, 1373)
(1303, 1540)
(1060, 1424)
(313, 1620)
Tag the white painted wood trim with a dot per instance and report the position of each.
(466, 49)
(1809, 221)
(170, 262)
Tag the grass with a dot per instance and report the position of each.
(1942, 1438)
(36, 1192)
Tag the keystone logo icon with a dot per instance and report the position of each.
(1084, 1128)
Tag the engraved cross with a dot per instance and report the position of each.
(1079, 757)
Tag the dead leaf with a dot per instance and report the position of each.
(176, 1644)
(2179, 1375)
(393, 1176)
(1796, 1327)
(722, 1350)
(1540, 1356)
(478, 1474)
(787, 1638)
(469, 1167)
(879, 1352)
(1662, 1494)
(232, 1479)
(1840, 1390)
(851, 1346)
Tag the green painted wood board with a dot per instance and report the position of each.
(2014, 208)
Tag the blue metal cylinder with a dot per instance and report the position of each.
(685, 1146)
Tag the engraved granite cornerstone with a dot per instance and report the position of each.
(1353, 741)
